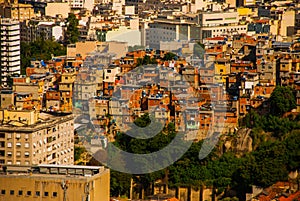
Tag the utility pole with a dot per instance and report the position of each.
(64, 186)
(131, 188)
(87, 192)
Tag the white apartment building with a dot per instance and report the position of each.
(76, 3)
(49, 30)
(207, 32)
(217, 23)
(124, 34)
(79, 4)
(10, 49)
(57, 8)
(191, 27)
(46, 29)
(170, 28)
(200, 5)
(218, 18)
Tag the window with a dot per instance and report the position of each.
(9, 135)
(9, 145)
(20, 192)
(215, 19)
(37, 193)
(12, 192)
(28, 193)
(18, 162)
(9, 153)
(2, 192)
(18, 153)
(18, 136)
(26, 144)
(46, 194)
(54, 194)
(18, 144)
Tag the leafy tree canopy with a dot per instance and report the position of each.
(169, 56)
(282, 100)
(39, 50)
(146, 60)
(72, 32)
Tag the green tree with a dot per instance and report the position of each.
(72, 32)
(243, 176)
(292, 148)
(119, 184)
(169, 56)
(41, 50)
(230, 199)
(279, 126)
(135, 47)
(146, 60)
(222, 171)
(282, 100)
(25, 56)
(77, 152)
(269, 164)
(144, 146)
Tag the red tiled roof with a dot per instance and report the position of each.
(216, 38)
(173, 199)
(295, 196)
(262, 21)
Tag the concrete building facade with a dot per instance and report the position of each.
(16, 11)
(194, 27)
(10, 49)
(28, 137)
(57, 8)
(54, 182)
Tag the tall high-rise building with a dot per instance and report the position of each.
(10, 49)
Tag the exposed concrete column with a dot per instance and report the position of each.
(177, 32)
(189, 32)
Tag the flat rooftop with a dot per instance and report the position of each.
(52, 171)
(45, 120)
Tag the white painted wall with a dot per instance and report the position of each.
(124, 34)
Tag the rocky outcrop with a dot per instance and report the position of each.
(240, 142)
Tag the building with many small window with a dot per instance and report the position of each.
(17, 11)
(28, 137)
(54, 182)
(10, 62)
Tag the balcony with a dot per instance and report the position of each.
(67, 94)
(49, 149)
